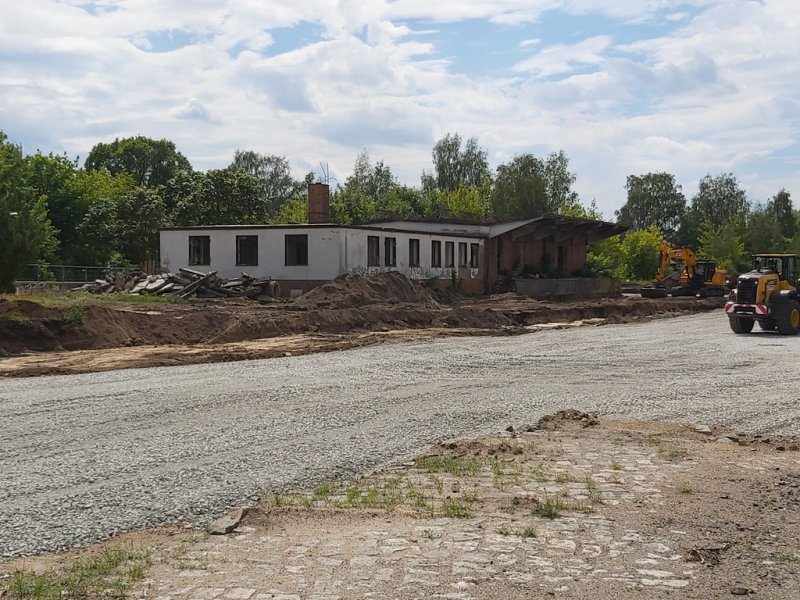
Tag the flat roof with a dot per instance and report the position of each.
(324, 226)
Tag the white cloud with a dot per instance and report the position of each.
(717, 90)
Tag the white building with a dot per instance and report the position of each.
(301, 257)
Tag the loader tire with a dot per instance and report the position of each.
(788, 319)
(741, 325)
(767, 325)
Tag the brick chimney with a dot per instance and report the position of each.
(319, 203)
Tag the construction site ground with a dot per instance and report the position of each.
(572, 507)
(81, 333)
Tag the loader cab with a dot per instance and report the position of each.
(783, 265)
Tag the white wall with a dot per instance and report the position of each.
(355, 244)
(331, 252)
(324, 254)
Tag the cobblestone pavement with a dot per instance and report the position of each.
(612, 511)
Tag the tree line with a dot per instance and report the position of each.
(108, 211)
(718, 222)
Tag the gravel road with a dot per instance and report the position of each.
(83, 456)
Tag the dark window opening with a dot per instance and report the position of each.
(449, 254)
(436, 253)
(413, 252)
(247, 250)
(562, 257)
(462, 254)
(390, 252)
(473, 255)
(373, 251)
(199, 250)
(296, 250)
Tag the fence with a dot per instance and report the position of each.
(67, 273)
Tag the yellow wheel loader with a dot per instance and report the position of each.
(767, 295)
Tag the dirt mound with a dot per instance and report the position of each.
(348, 291)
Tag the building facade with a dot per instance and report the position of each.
(304, 256)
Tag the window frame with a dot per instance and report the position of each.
(474, 256)
(373, 251)
(449, 255)
(390, 251)
(413, 252)
(240, 261)
(294, 237)
(436, 254)
(462, 254)
(205, 251)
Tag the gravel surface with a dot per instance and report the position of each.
(84, 456)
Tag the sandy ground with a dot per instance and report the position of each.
(572, 507)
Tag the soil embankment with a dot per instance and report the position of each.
(349, 311)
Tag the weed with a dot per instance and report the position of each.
(322, 492)
(530, 447)
(591, 484)
(528, 532)
(539, 473)
(75, 314)
(685, 489)
(278, 500)
(428, 534)
(470, 496)
(15, 317)
(307, 502)
(564, 477)
(456, 509)
(673, 454)
(438, 483)
(616, 466)
(549, 509)
(352, 495)
(504, 531)
(109, 573)
(596, 496)
(446, 464)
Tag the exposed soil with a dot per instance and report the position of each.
(334, 316)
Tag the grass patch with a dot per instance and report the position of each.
(456, 509)
(14, 317)
(685, 489)
(446, 464)
(615, 466)
(527, 532)
(109, 574)
(75, 314)
(673, 454)
(549, 509)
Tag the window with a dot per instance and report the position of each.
(247, 250)
(462, 254)
(449, 253)
(199, 250)
(373, 251)
(436, 253)
(296, 250)
(390, 252)
(473, 255)
(413, 252)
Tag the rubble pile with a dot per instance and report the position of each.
(185, 284)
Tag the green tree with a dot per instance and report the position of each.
(25, 229)
(719, 200)
(653, 199)
(454, 168)
(273, 175)
(293, 211)
(217, 197)
(150, 162)
(605, 258)
(528, 186)
(366, 193)
(781, 207)
(640, 251)
(763, 232)
(467, 203)
(723, 243)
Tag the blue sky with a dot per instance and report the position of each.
(623, 87)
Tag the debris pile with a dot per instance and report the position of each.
(350, 290)
(184, 284)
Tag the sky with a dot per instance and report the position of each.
(623, 87)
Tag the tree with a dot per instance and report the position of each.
(723, 243)
(605, 258)
(25, 229)
(293, 211)
(719, 200)
(217, 197)
(653, 199)
(273, 175)
(454, 167)
(150, 162)
(528, 186)
(462, 204)
(763, 232)
(640, 252)
(781, 207)
(366, 193)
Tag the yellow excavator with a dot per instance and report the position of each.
(767, 295)
(681, 273)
